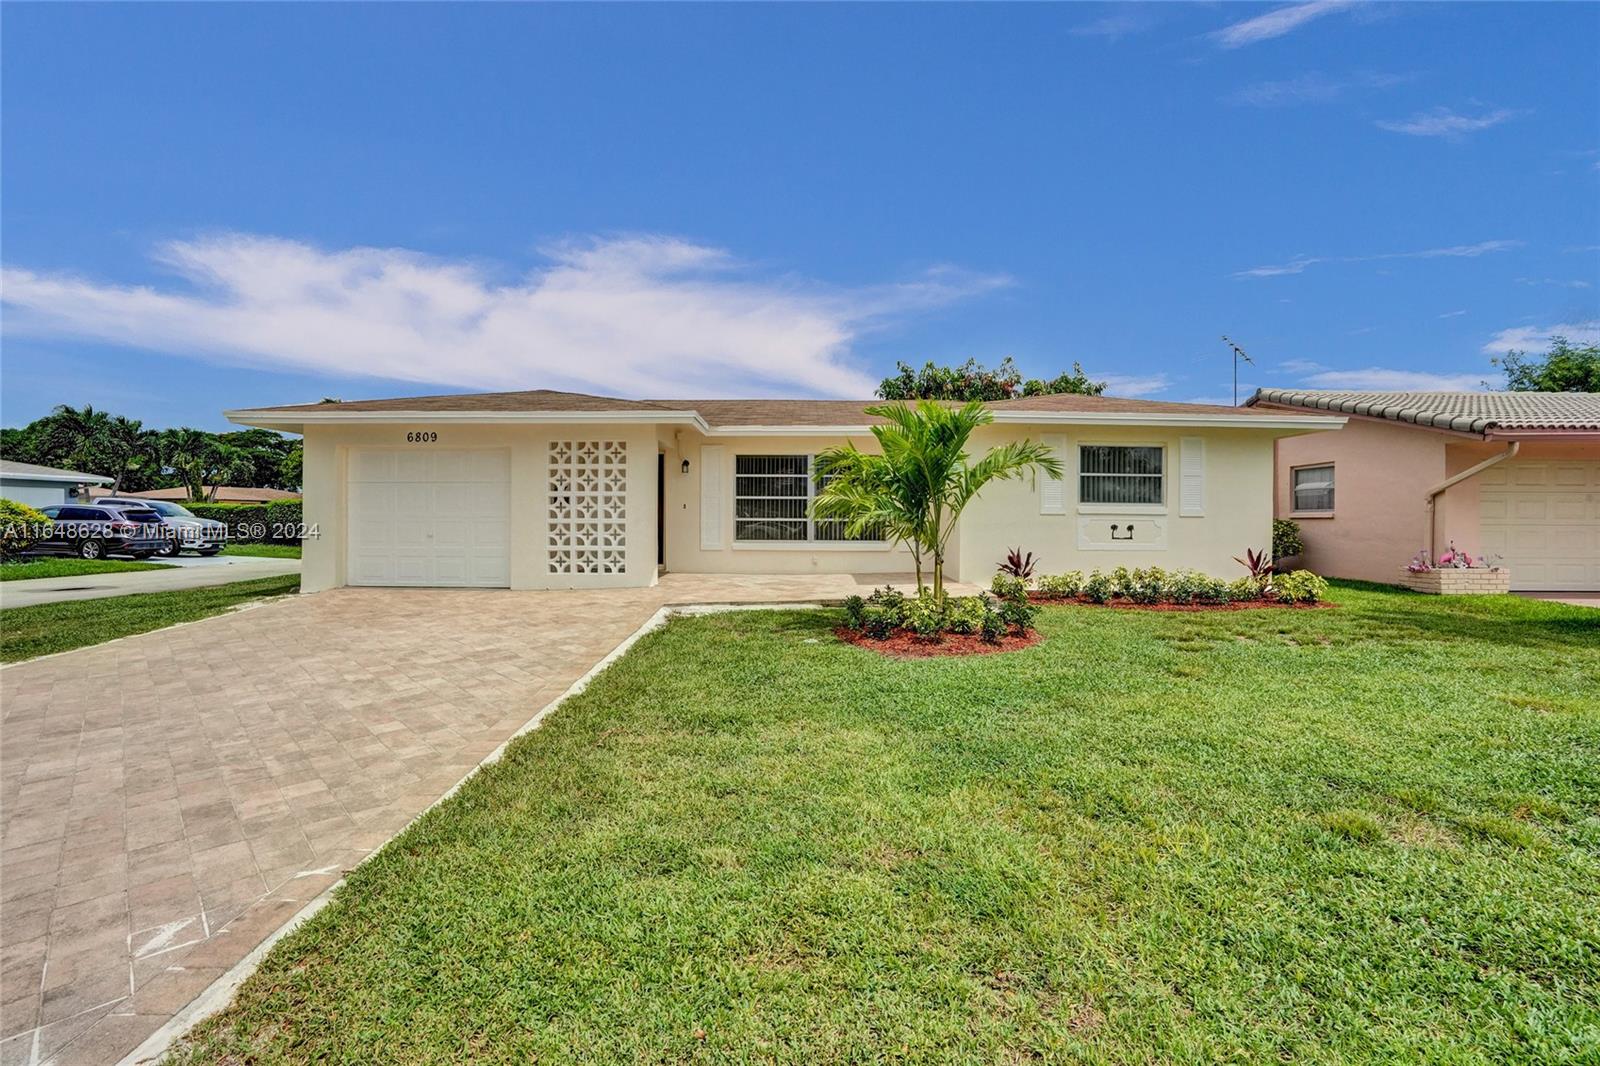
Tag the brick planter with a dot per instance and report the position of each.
(1452, 582)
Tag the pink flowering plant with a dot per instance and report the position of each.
(1419, 563)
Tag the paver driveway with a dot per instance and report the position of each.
(170, 799)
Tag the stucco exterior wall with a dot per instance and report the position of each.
(1236, 505)
(326, 499)
(685, 553)
(1382, 473)
(37, 493)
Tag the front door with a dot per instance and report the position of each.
(661, 509)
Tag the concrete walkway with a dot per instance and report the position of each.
(1576, 599)
(185, 572)
(169, 800)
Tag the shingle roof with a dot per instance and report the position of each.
(34, 470)
(1468, 412)
(718, 413)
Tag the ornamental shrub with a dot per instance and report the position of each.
(1018, 613)
(1098, 587)
(1300, 586)
(993, 626)
(892, 601)
(964, 614)
(1121, 581)
(855, 612)
(1148, 586)
(1208, 589)
(1244, 590)
(1183, 589)
(1286, 540)
(1061, 586)
(878, 621)
(20, 527)
(923, 616)
(284, 518)
(1008, 588)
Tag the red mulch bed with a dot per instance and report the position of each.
(1129, 605)
(904, 645)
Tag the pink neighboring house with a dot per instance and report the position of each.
(1514, 475)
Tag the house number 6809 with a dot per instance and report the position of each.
(422, 436)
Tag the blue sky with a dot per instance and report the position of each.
(222, 206)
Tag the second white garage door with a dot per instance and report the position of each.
(1543, 520)
(428, 516)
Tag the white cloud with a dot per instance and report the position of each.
(1299, 264)
(1276, 23)
(636, 315)
(1574, 284)
(1115, 27)
(1133, 385)
(1311, 88)
(1443, 122)
(1300, 366)
(1452, 314)
(1382, 378)
(1537, 338)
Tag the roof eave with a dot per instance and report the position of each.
(66, 476)
(296, 421)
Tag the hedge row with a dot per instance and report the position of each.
(278, 522)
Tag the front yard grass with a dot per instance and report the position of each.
(1362, 834)
(28, 569)
(26, 632)
(264, 551)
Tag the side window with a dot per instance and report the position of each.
(1313, 488)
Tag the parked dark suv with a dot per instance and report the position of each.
(96, 532)
(185, 530)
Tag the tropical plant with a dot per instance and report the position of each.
(1259, 563)
(924, 615)
(1007, 587)
(1300, 586)
(1286, 542)
(964, 614)
(20, 526)
(1098, 588)
(855, 611)
(78, 436)
(1017, 564)
(923, 480)
(1061, 586)
(1244, 590)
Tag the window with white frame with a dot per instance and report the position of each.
(1121, 474)
(1313, 488)
(772, 497)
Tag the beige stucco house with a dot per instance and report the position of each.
(1514, 475)
(542, 489)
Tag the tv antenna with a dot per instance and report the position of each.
(1238, 354)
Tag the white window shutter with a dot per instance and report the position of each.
(711, 497)
(1192, 477)
(1053, 490)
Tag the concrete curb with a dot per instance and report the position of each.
(220, 992)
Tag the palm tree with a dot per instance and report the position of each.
(127, 445)
(77, 438)
(922, 481)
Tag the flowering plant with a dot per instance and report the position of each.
(1419, 563)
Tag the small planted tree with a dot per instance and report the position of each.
(923, 479)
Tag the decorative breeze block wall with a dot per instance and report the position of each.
(588, 507)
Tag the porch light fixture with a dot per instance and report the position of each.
(685, 466)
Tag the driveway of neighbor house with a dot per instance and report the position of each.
(170, 799)
(184, 572)
(1576, 599)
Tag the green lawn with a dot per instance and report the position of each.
(28, 569)
(26, 632)
(266, 551)
(1363, 834)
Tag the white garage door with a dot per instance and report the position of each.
(430, 517)
(1543, 519)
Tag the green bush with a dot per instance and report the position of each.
(855, 611)
(284, 519)
(255, 523)
(1018, 613)
(993, 625)
(1212, 590)
(1061, 586)
(1098, 587)
(1244, 590)
(1008, 588)
(20, 527)
(1286, 540)
(1300, 586)
(964, 614)
(1122, 582)
(923, 616)
(879, 621)
(1148, 586)
(1183, 589)
(891, 601)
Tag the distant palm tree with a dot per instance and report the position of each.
(922, 482)
(77, 438)
(127, 446)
